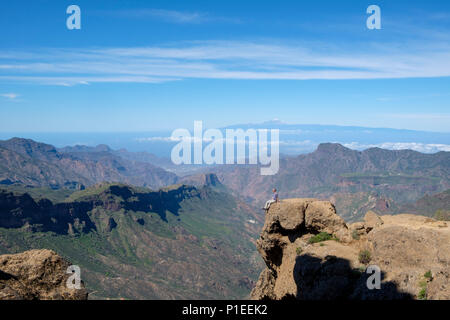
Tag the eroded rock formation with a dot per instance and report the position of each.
(413, 253)
(36, 275)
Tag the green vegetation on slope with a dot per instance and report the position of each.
(177, 243)
(322, 236)
(54, 195)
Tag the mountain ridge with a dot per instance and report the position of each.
(358, 181)
(397, 176)
(38, 164)
(177, 242)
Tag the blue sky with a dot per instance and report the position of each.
(151, 65)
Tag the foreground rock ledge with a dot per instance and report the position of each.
(405, 247)
(36, 274)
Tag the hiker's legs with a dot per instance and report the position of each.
(268, 203)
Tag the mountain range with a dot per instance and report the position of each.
(180, 242)
(356, 181)
(140, 231)
(24, 161)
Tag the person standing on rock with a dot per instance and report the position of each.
(269, 202)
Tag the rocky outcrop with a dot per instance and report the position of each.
(36, 274)
(311, 254)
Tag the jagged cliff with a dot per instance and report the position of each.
(36, 275)
(179, 242)
(311, 253)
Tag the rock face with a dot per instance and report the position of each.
(412, 252)
(36, 274)
(32, 163)
(19, 210)
(323, 174)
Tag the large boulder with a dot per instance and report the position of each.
(310, 253)
(36, 274)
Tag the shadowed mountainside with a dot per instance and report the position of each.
(180, 242)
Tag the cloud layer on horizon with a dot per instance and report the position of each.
(303, 146)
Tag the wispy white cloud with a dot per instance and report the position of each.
(9, 96)
(439, 16)
(410, 97)
(167, 15)
(84, 80)
(172, 16)
(222, 60)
